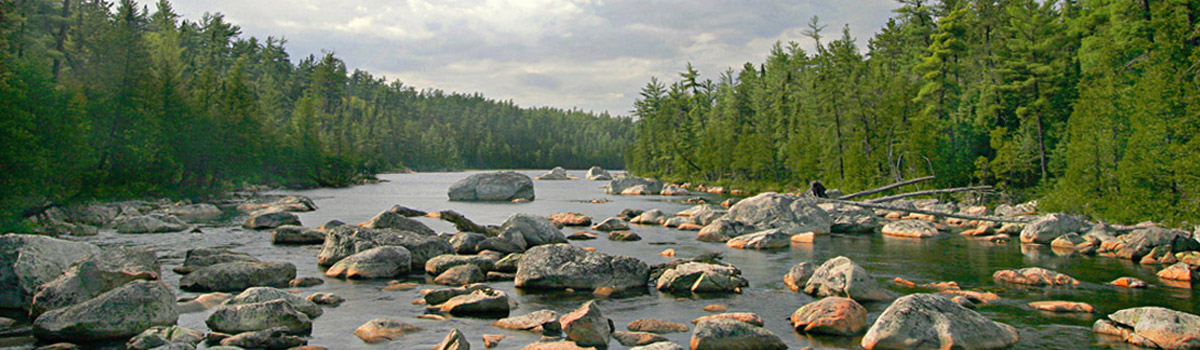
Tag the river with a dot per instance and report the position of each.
(949, 258)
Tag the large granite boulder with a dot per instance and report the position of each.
(234, 319)
(28, 261)
(766, 239)
(561, 266)
(534, 230)
(344, 241)
(699, 277)
(89, 277)
(929, 321)
(379, 262)
(618, 186)
(396, 220)
(1049, 227)
(730, 334)
(598, 174)
(153, 223)
(1153, 327)
(841, 277)
(831, 316)
(115, 315)
(502, 186)
(237, 276)
(790, 214)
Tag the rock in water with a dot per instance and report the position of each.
(534, 230)
(587, 326)
(202, 257)
(163, 335)
(504, 186)
(1140, 242)
(379, 262)
(274, 338)
(344, 241)
(106, 270)
(383, 329)
(618, 186)
(657, 326)
(798, 275)
(28, 261)
(291, 234)
(558, 173)
(761, 240)
(395, 220)
(790, 214)
(237, 276)
(454, 340)
(441, 263)
(934, 321)
(1049, 227)
(265, 294)
(841, 277)
(1034, 276)
(1153, 327)
(234, 319)
(611, 224)
(598, 174)
(265, 219)
(541, 321)
(729, 334)
(118, 314)
(561, 266)
(481, 301)
(153, 223)
(700, 277)
(910, 228)
(832, 316)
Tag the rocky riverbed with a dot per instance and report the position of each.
(773, 271)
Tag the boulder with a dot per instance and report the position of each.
(570, 219)
(479, 302)
(587, 326)
(504, 186)
(274, 338)
(153, 223)
(454, 340)
(728, 334)
(650, 217)
(698, 277)
(379, 262)
(790, 214)
(291, 234)
(1034, 276)
(841, 277)
(1129, 282)
(202, 302)
(598, 174)
(558, 173)
(798, 275)
(345, 241)
(115, 315)
(265, 294)
(265, 219)
(194, 212)
(581, 236)
(461, 275)
(649, 186)
(611, 224)
(327, 299)
(1049, 227)
(1140, 242)
(637, 338)
(395, 220)
(910, 228)
(100, 272)
(162, 335)
(383, 329)
(630, 213)
(509, 263)
(440, 296)
(1062, 306)
(657, 326)
(1153, 327)
(202, 257)
(234, 319)
(766, 239)
(509, 241)
(851, 219)
(673, 190)
(466, 242)
(29, 261)
(441, 263)
(535, 230)
(560, 266)
(280, 203)
(237, 276)
(1177, 272)
(541, 321)
(934, 321)
(746, 317)
(830, 316)
(662, 345)
(623, 236)
(721, 229)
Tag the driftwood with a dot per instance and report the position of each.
(922, 193)
(919, 211)
(460, 222)
(885, 188)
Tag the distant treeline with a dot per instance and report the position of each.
(1090, 105)
(108, 100)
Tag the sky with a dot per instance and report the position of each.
(593, 55)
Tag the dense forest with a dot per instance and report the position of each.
(1089, 105)
(111, 100)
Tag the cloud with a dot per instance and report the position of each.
(591, 54)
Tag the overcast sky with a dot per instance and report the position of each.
(591, 54)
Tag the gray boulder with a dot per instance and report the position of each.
(481, 301)
(28, 261)
(291, 234)
(587, 326)
(344, 241)
(1153, 327)
(790, 214)
(466, 242)
(502, 186)
(934, 321)
(394, 220)
(561, 266)
(535, 230)
(117, 314)
(766, 239)
(730, 334)
(611, 224)
(441, 263)
(1140, 242)
(237, 276)
(698, 277)
(841, 277)
(1049, 227)
(379, 262)
(194, 212)
(278, 203)
(598, 174)
(558, 173)
(158, 336)
(270, 218)
(650, 217)
(89, 277)
(274, 338)
(153, 223)
(201, 257)
(265, 294)
(234, 319)
(617, 186)
(455, 340)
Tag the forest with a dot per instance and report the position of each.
(109, 100)
(1089, 106)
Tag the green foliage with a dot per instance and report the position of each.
(1090, 105)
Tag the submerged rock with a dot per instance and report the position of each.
(934, 322)
(202, 257)
(766, 239)
(117, 314)
(163, 335)
(561, 266)
(274, 338)
(504, 186)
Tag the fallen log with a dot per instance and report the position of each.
(919, 211)
(922, 193)
(885, 188)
